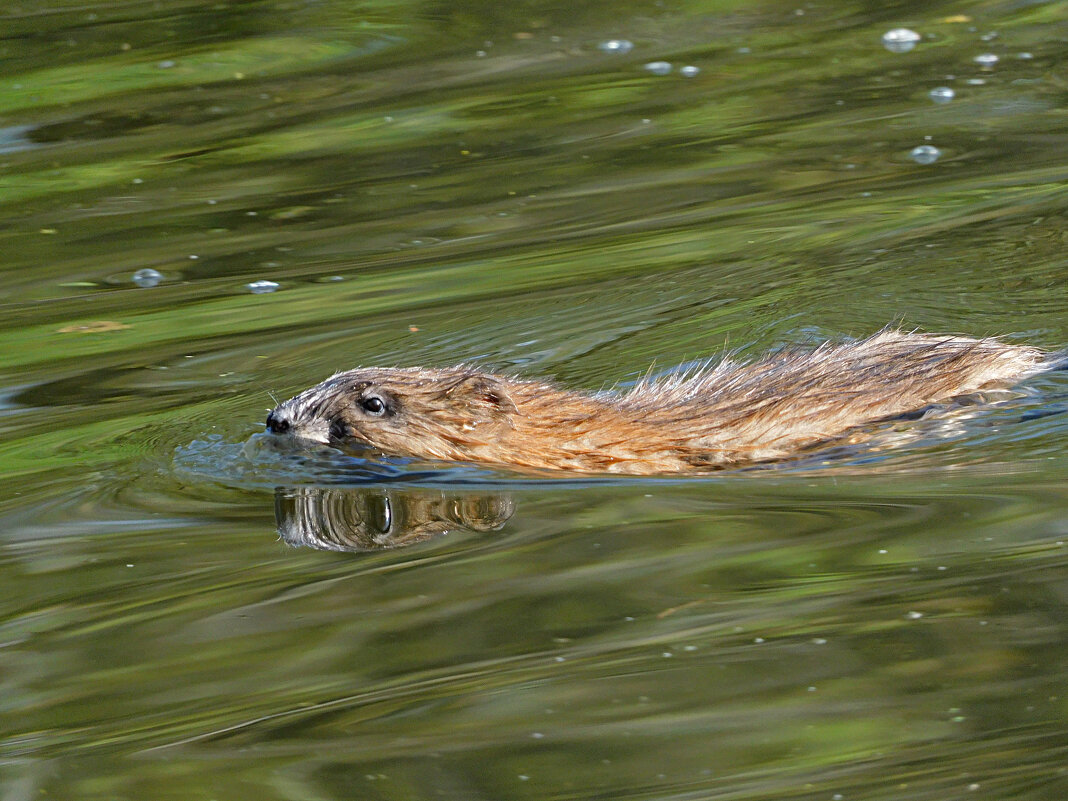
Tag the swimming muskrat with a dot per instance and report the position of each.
(712, 417)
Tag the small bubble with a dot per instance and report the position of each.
(987, 60)
(976, 82)
(537, 735)
(925, 154)
(616, 46)
(941, 94)
(166, 65)
(659, 67)
(689, 71)
(1025, 56)
(914, 615)
(147, 277)
(262, 287)
(900, 40)
(480, 54)
(744, 51)
(989, 37)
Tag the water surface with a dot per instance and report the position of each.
(434, 183)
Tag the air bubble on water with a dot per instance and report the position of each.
(941, 94)
(262, 287)
(925, 154)
(976, 81)
(986, 60)
(147, 277)
(166, 65)
(689, 71)
(1025, 56)
(659, 67)
(616, 46)
(900, 40)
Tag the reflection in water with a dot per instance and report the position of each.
(369, 519)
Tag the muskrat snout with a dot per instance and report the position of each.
(277, 424)
(288, 420)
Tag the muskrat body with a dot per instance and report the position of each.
(714, 417)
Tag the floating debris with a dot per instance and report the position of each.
(262, 287)
(941, 94)
(925, 154)
(900, 40)
(616, 46)
(147, 277)
(95, 327)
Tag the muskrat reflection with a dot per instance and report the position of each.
(361, 519)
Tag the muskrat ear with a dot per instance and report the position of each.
(484, 392)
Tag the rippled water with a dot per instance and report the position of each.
(189, 613)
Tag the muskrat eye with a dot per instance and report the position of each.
(373, 405)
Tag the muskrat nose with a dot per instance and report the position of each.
(277, 424)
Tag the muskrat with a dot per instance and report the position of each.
(691, 421)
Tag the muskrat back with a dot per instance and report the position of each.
(717, 416)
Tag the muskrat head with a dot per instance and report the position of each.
(408, 412)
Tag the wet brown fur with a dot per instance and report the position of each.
(706, 419)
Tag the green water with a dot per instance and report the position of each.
(187, 616)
